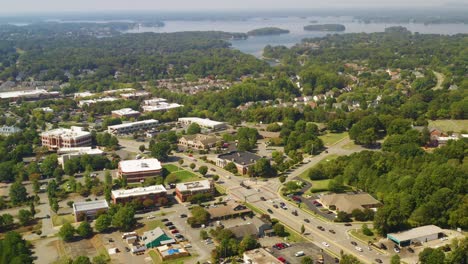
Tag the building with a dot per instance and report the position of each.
(443, 140)
(9, 130)
(346, 202)
(125, 112)
(139, 170)
(96, 101)
(69, 153)
(241, 231)
(135, 95)
(35, 94)
(131, 127)
(83, 94)
(230, 210)
(66, 138)
(186, 190)
(89, 210)
(162, 106)
(172, 252)
(416, 235)
(202, 122)
(198, 141)
(153, 192)
(156, 238)
(260, 256)
(242, 159)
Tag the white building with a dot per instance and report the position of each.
(135, 95)
(95, 101)
(202, 122)
(28, 94)
(83, 94)
(163, 106)
(154, 101)
(260, 256)
(89, 210)
(133, 126)
(66, 138)
(420, 234)
(9, 130)
(152, 192)
(69, 153)
(125, 112)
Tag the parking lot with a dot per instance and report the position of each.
(308, 248)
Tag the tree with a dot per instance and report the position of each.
(263, 168)
(142, 148)
(193, 129)
(124, 219)
(6, 220)
(342, 216)
(49, 164)
(395, 259)
(199, 216)
(14, 249)
(82, 260)
(215, 177)
(36, 186)
(349, 259)
(172, 178)
(100, 259)
(231, 167)
(366, 231)
(103, 222)
(307, 260)
(181, 162)
(302, 229)
(203, 170)
(67, 231)
(203, 234)
(147, 203)
(18, 193)
(108, 179)
(279, 230)
(248, 242)
(160, 150)
(192, 166)
(431, 256)
(282, 178)
(54, 205)
(84, 230)
(24, 217)
(32, 208)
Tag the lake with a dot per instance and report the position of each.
(255, 45)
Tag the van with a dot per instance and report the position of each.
(299, 254)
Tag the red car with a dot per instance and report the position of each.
(282, 259)
(174, 231)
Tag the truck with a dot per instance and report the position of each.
(320, 258)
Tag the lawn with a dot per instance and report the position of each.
(450, 125)
(319, 186)
(150, 226)
(157, 260)
(333, 138)
(171, 167)
(182, 175)
(351, 146)
(359, 235)
(58, 220)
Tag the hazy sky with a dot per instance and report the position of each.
(20, 6)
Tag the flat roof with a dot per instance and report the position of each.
(140, 165)
(125, 111)
(130, 124)
(91, 205)
(13, 94)
(160, 107)
(261, 256)
(194, 186)
(201, 121)
(73, 132)
(153, 189)
(416, 232)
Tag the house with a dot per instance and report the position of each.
(156, 238)
(420, 234)
(348, 202)
(89, 210)
(198, 141)
(139, 170)
(259, 256)
(186, 190)
(230, 210)
(153, 192)
(9, 130)
(242, 159)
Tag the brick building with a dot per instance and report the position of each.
(66, 138)
(153, 192)
(139, 170)
(186, 190)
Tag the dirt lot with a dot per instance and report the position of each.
(309, 249)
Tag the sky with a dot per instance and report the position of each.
(37, 6)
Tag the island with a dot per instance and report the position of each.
(266, 31)
(325, 27)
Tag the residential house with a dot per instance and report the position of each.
(198, 141)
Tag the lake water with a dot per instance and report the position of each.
(255, 45)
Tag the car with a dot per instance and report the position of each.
(212, 169)
(282, 204)
(208, 242)
(396, 249)
(150, 217)
(348, 224)
(299, 254)
(269, 211)
(378, 261)
(188, 246)
(358, 249)
(353, 243)
(337, 260)
(318, 204)
(285, 245)
(294, 212)
(321, 228)
(183, 216)
(297, 199)
(262, 198)
(282, 259)
(127, 249)
(164, 220)
(325, 244)
(111, 240)
(284, 207)
(275, 206)
(315, 202)
(168, 224)
(332, 231)
(307, 220)
(382, 246)
(410, 250)
(174, 231)
(171, 227)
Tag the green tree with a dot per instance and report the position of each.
(431, 256)
(54, 205)
(32, 208)
(82, 260)
(263, 168)
(172, 178)
(100, 259)
(66, 232)
(349, 259)
(84, 230)
(366, 231)
(203, 170)
(199, 216)
(49, 164)
(203, 234)
(279, 230)
(142, 148)
(14, 249)
(307, 260)
(342, 217)
(192, 166)
(124, 219)
(161, 150)
(18, 193)
(302, 229)
(215, 177)
(103, 222)
(24, 217)
(248, 242)
(395, 259)
(193, 129)
(231, 167)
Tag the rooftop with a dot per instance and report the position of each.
(240, 157)
(201, 121)
(261, 256)
(154, 101)
(416, 232)
(125, 111)
(160, 107)
(153, 189)
(194, 186)
(91, 205)
(348, 202)
(80, 150)
(25, 93)
(150, 236)
(130, 124)
(72, 132)
(241, 231)
(229, 209)
(140, 165)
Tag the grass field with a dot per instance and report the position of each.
(333, 138)
(182, 175)
(319, 186)
(328, 158)
(359, 235)
(150, 226)
(450, 125)
(171, 167)
(58, 220)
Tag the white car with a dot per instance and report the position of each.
(325, 244)
(150, 217)
(358, 249)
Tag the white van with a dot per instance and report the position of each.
(299, 254)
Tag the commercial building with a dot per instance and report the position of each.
(203, 122)
(133, 126)
(9, 130)
(156, 238)
(135, 95)
(242, 159)
(230, 210)
(69, 153)
(346, 202)
(152, 192)
(66, 138)
(139, 170)
(162, 106)
(186, 190)
(35, 94)
(83, 94)
(198, 141)
(260, 256)
(89, 210)
(125, 112)
(95, 101)
(416, 235)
